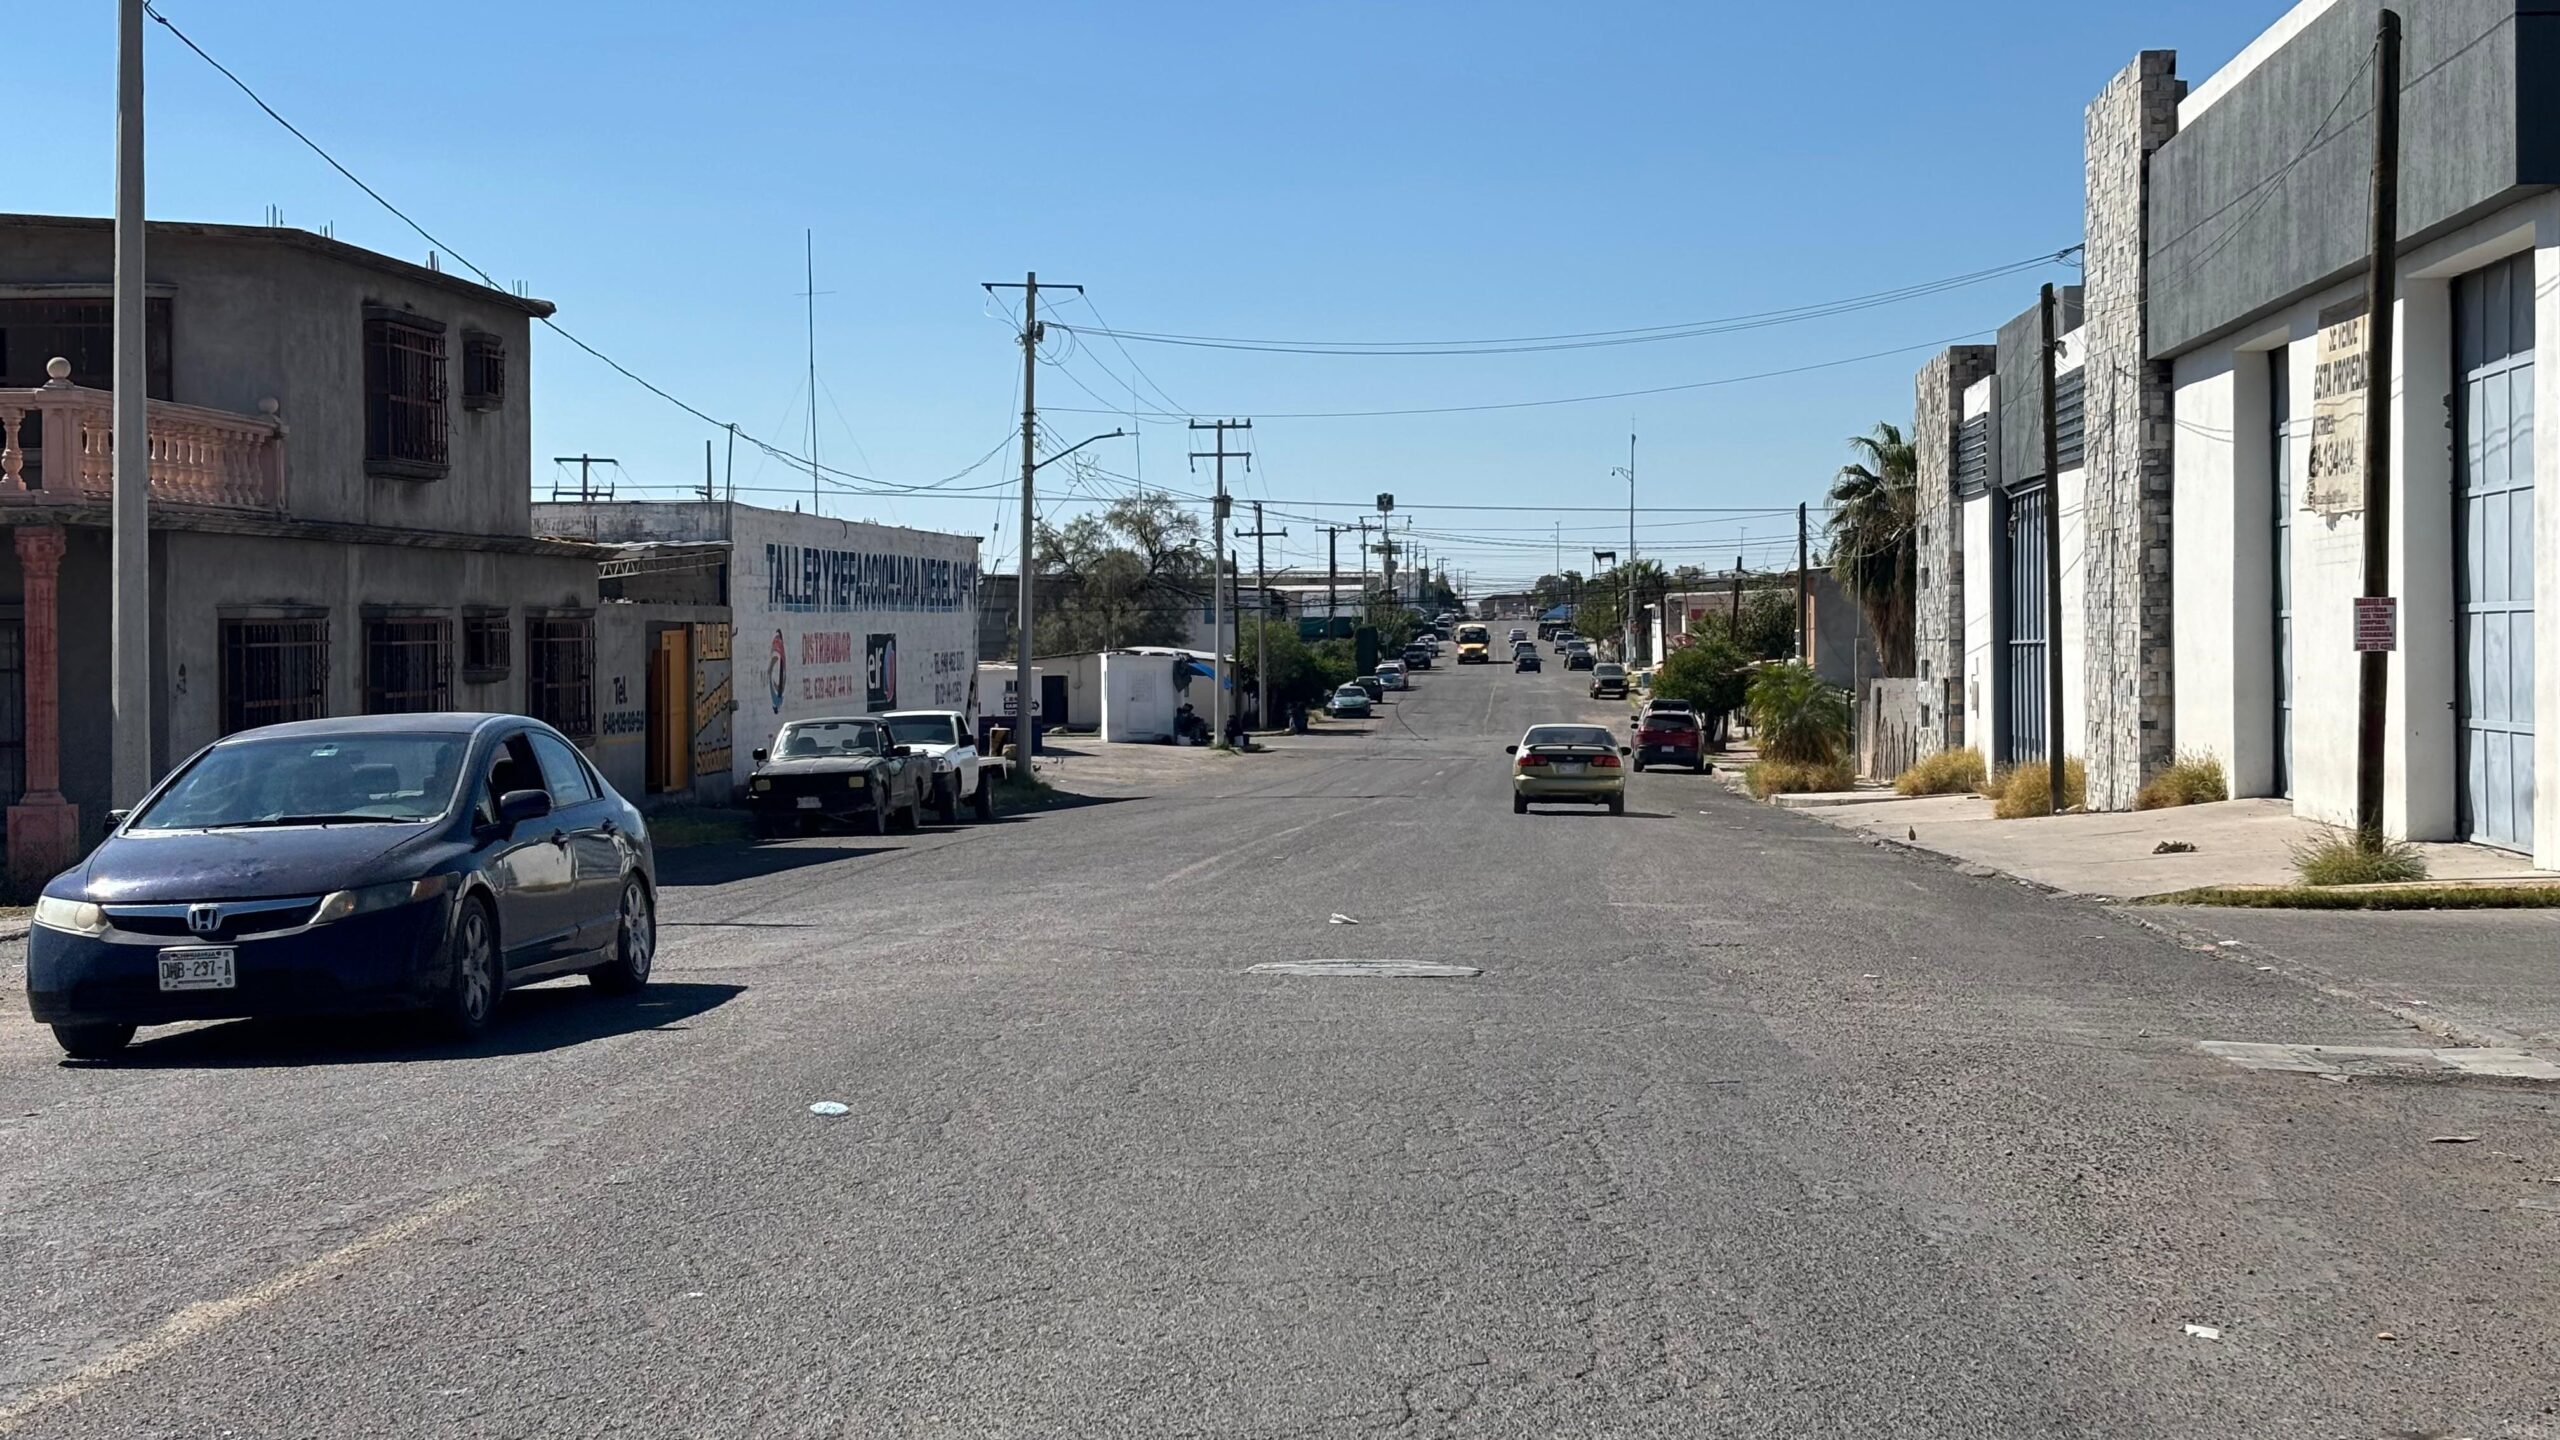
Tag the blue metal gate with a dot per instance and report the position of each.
(2023, 717)
(2493, 448)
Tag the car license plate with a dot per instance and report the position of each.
(206, 967)
(808, 802)
(1568, 767)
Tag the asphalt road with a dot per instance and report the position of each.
(1746, 1128)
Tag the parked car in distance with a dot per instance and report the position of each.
(837, 768)
(386, 862)
(1417, 657)
(1670, 737)
(1391, 675)
(1351, 702)
(1566, 639)
(1579, 656)
(1373, 687)
(960, 773)
(1525, 657)
(1518, 635)
(1609, 680)
(1568, 765)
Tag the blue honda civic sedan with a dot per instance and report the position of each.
(387, 862)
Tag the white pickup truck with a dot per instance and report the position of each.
(960, 772)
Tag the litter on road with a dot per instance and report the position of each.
(1338, 918)
(830, 1107)
(2453, 1139)
(2204, 1332)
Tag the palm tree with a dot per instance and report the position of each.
(1873, 512)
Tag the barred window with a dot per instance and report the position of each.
(408, 664)
(559, 673)
(488, 646)
(484, 371)
(274, 671)
(404, 419)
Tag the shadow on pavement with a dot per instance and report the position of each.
(547, 1017)
(701, 865)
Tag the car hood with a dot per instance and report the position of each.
(157, 866)
(821, 765)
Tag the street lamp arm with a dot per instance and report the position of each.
(1070, 450)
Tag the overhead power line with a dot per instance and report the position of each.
(1587, 339)
(848, 480)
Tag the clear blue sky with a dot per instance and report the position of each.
(1328, 171)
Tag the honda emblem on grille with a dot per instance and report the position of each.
(204, 919)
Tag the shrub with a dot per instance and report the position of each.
(2344, 858)
(1949, 772)
(1797, 777)
(2192, 780)
(1798, 716)
(2028, 791)
(1994, 784)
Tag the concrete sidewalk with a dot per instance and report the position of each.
(2110, 856)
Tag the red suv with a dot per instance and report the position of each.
(1670, 737)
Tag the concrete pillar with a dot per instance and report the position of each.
(44, 828)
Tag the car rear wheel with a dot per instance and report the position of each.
(635, 943)
(1519, 806)
(985, 801)
(92, 1042)
(1617, 804)
(946, 799)
(471, 996)
(1638, 767)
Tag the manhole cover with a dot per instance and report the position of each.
(1372, 969)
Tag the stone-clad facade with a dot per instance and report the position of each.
(2126, 557)
(1938, 605)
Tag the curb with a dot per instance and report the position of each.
(8, 933)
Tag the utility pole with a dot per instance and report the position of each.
(729, 476)
(1736, 628)
(1333, 572)
(1627, 635)
(2373, 668)
(1219, 612)
(706, 472)
(1804, 593)
(1364, 565)
(130, 514)
(587, 492)
(1262, 608)
(2055, 758)
(1026, 734)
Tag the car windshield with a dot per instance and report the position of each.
(1611, 672)
(923, 730)
(809, 739)
(355, 779)
(1351, 692)
(1670, 720)
(1593, 735)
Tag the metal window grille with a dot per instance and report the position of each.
(488, 646)
(404, 386)
(2070, 418)
(408, 664)
(273, 671)
(559, 673)
(484, 372)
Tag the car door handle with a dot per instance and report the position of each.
(611, 829)
(560, 838)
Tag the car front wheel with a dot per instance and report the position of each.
(471, 996)
(92, 1042)
(635, 944)
(984, 802)
(875, 820)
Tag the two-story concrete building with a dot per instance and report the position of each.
(341, 490)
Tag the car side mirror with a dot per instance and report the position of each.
(1510, 749)
(116, 817)
(763, 755)
(1624, 750)
(518, 806)
(902, 749)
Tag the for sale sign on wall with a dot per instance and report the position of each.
(2338, 378)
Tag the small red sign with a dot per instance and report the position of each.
(2377, 623)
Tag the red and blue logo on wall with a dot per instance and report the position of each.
(774, 672)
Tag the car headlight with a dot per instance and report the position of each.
(77, 917)
(853, 781)
(345, 903)
(763, 784)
